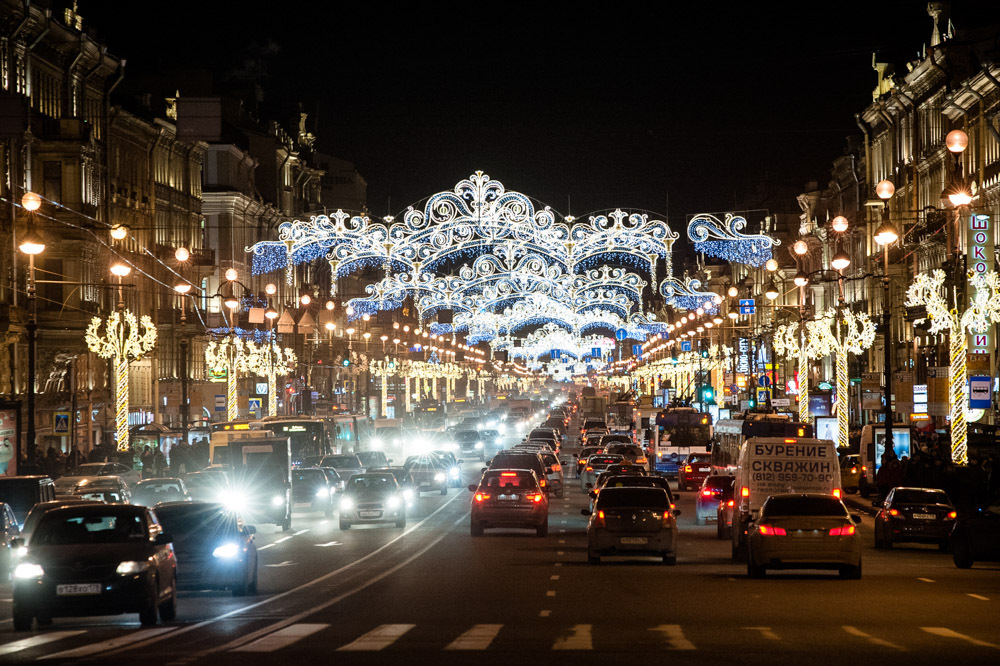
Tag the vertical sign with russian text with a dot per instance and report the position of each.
(980, 260)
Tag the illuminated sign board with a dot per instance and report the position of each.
(980, 260)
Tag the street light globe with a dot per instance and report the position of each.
(959, 197)
(771, 265)
(182, 287)
(691, 316)
(271, 313)
(956, 141)
(330, 325)
(709, 324)
(271, 289)
(349, 311)
(839, 224)
(330, 305)
(350, 331)
(840, 261)
(732, 314)
(305, 299)
(884, 190)
(701, 329)
(406, 329)
(31, 243)
(886, 234)
(771, 291)
(119, 232)
(366, 336)
(717, 320)
(181, 254)
(700, 311)
(33, 202)
(383, 338)
(366, 317)
(121, 270)
(800, 247)
(733, 292)
(395, 341)
(801, 279)
(717, 299)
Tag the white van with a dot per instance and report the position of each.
(871, 450)
(219, 443)
(773, 465)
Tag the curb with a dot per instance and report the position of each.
(864, 507)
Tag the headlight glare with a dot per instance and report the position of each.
(439, 477)
(28, 570)
(232, 500)
(454, 471)
(393, 503)
(323, 492)
(129, 568)
(277, 500)
(226, 551)
(479, 445)
(346, 504)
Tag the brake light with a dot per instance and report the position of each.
(952, 515)
(508, 473)
(667, 518)
(789, 441)
(640, 461)
(768, 530)
(687, 468)
(672, 506)
(893, 512)
(542, 483)
(707, 493)
(731, 503)
(481, 497)
(854, 470)
(846, 530)
(744, 492)
(583, 462)
(864, 468)
(589, 468)
(536, 498)
(836, 493)
(557, 468)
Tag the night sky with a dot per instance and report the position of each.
(623, 107)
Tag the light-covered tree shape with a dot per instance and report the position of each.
(269, 360)
(789, 342)
(928, 290)
(229, 354)
(126, 339)
(850, 333)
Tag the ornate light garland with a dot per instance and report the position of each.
(271, 361)
(724, 240)
(229, 354)
(125, 339)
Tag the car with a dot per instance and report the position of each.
(724, 512)
(346, 464)
(130, 476)
(553, 473)
(581, 459)
(96, 559)
(550, 434)
(406, 488)
(373, 458)
(206, 486)
(150, 492)
(470, 444)
(804, 531)
(509, 498)
(917, 515)
(334, 478)
(694, 470)
(850, 473)
(558, 424)
(41, 508)
(454, 466)
(632, 521)
(10, 529)
(213, 547)
(108, 489)
(492, 439)
(21, 493)
(596, 464)
(593, 424)
(372, 498)
(429, 473)
(616, 480)
(310, 485)
(521, 459)
(713, 490)
(976, 536)
(629, 451)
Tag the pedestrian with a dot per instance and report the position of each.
(74, 459)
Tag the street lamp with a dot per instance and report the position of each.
(31, 244)
(182, 254)
(885, 235)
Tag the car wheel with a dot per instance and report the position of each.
(718, 529)
(242, 588)
(476, 530)
(44, 620)
(286, 524)
(253, 582)
(670, 560)
(852, 573)
(401, 523)
(943, 545)
(345, 524)
(878, 539)
(168, 609)
(147, 614)
(593, 559)
(22, 620)
(444, 491)
(962, 554)
(754, 570)
(887, 542)
(543, 529)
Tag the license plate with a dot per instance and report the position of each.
(78, 589)
(924, 516)
(369, 514)
(806, 533)
(704, 469)
(633, 541)
(425, 484)
(507, 498)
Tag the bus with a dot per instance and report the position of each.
(682, 431)
(310, 437)
(730, 434)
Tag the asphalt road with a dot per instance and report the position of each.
(432, 592)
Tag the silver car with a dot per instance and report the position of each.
(804, 531)
(632, 521)
(596, 464)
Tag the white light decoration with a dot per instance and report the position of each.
(126, 339)
(723, 239)
(790, 342)
(230, 354)
(850, 333)
(271, 361)
(928, 290)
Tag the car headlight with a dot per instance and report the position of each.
(277, 500)
(407, 494)
(376, 443)
(28, 570)
(226, 551)
(323, 492)
(393, 502)
(479, 445)
(232, 500)
(501, 428)
(454, 471)
(499, 441)
(346, 504)
(439, 477)
(129, 568)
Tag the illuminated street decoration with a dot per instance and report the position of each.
(790, 342)
(228, 354)
(928, 290)
(271, 361)
(687, 295)
(724, 239)
(853, 333)
(126, 339)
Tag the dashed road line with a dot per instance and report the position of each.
(978, 596)
(765, 632)
(675, 636)
(854, 631)
(281, 639)
(926, 580)
(377, 639)
(477, 638)
(945, 632)
(580, 639)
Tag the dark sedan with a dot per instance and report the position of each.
(214, 549)
(976, 537)
(918, 515)
(429, 473)
(96, 559)
(311, 486)
(372, 498)
(151, 492)
(632, 521)
(714, 489)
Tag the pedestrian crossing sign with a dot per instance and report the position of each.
(60, 422)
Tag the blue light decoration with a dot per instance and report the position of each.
(252, 334)
(687, 295)
(724, 240)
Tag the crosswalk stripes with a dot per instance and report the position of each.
(675, 636)
(35, 641)
(281, 638)
(111, 644)
(580, 639)
(477, 638)
(378, 638)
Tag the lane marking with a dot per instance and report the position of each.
(765, 632)
(311, 583)
(579, 640)
(675, 636)
(35, 641)
(286, 563)
(301, 532)
(120, 642)
(557, 564)
(562, 540)
(854, 631)
(562, 531)
(283, 638)
(550, 593)
(944, 632)
(328, 544)
(559, 552)
(260, 548)
(978, 596)
(282, 539)
(477, 638)
(926, 580)
(554, 577)
(545, 613)
(378, 638)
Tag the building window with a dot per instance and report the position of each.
(52, 181)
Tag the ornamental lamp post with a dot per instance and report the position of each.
(183, 288)
(886, 235)
(31, 244)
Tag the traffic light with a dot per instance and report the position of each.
(347, 363)
(707, 394)
(704, 353)
(752, 403)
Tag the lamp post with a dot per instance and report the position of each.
(885, 235)
(31, 245)
(183, 287)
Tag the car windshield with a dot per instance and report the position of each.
(308, 476)
(65, 529)
(605, 460)
(719, 482)
(549, 459)
(589, 451)
(371, 483)
(371, 458)
(505, 479)
(344, 462)
(196, 522)
(623, 481)
(467, 435)
(920, 497)
(654, 498)
(803, 506)
(700, 458)
(514, 461)
(607, 440)
(490, 434)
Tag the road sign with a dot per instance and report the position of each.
(764, 380)
(637, 350)
(781, 402)
(220, 403)
(60, 422)
(747, 306)
(762, 394)
(685, 345)
(620, 334)
(254, 404)
(261, 388)
(979, 392)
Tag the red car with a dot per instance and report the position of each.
(694, 470)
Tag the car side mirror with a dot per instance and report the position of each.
(584, 512)
(483, 470)
(472, 487)
(856, 517)
(676, 512)
(163, 538)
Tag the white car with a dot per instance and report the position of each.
(131, 476)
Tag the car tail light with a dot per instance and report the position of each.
(707, 493)
(731, 503)
(589, 468)
(672, 506)
(893, 512)
(599, 521)
(508, 473)
(557, 468)
(541, 482)
(836, 493)
(768, 530)
(480, 497)
(667, 518)
(687, 468)
(854, 470)
(536, 498)
(744, 492)
(641, 461)
(864, 468)
(583, 462)
(846, 530)
(952, 515)
(789, 441)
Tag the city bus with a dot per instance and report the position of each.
(682, 431)
(730, 434)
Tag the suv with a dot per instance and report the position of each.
(470, 443)
(509, 498)
(696, 467)
(630, 452)
(511, 459)
(545, 433)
